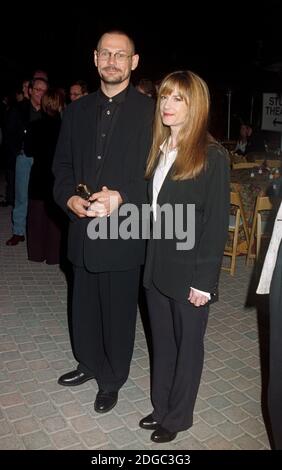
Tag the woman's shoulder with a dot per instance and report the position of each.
(217, 154)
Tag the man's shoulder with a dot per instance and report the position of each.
(141, 101)
(83, 102)
(140, 97)
(78, 108)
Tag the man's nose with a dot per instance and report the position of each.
(112, 58)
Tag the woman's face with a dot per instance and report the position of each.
(173, 109)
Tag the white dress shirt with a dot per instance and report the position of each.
(271, 255)
(166, 161)
(240, 146)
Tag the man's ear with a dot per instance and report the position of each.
(95, 58)
(135, 60)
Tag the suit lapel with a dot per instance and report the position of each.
(88, 132)
(164, 188)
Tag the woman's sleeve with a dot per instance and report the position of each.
(215, 222)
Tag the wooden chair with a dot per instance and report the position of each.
(229, 144)
(273, 163)
(263, 203)
(236, 221)
(241, 166)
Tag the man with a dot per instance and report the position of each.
(25, 89)
(78, 89)
(39, 73)
(104, 143)
(270, 283)
(22, 96)
(17, 128)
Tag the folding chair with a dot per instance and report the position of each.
(236, 221)
(263, 203)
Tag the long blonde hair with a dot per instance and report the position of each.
(193, 137)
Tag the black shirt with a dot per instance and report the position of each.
(109, 109)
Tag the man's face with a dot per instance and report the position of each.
(113, 69)
(75, 92)
(38, 90)
(25, 88)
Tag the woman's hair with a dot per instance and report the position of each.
(193, 137)
(52, 102)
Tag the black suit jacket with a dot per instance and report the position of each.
(122, 169)
(173, 271)
(18, 119)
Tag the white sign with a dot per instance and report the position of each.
(272, 112)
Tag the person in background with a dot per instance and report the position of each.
(17, 128)
(270, 283)
(3, 116)
(185, 166)
(241, 145)
(146, 87)
(63, 98)
(19, 95)
(39, 73)
(16, 109)
(78, 89)
(25, 89)
(249, 141)
(103, 146)
(44, 218)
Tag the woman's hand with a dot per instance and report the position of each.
(197, 299)
(104, 202)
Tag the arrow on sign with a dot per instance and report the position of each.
(276, 122)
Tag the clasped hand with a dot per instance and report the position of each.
(100, 204)
(197, 299)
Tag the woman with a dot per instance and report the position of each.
(185, 166)
(44, 217)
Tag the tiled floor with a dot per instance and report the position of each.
(37, 413)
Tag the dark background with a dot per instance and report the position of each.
(234, 46)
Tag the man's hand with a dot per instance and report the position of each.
(197, 299)
(104, 202)
(78, 206)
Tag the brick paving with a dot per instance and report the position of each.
(37, 413)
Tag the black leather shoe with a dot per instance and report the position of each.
(105, 401)
(161, 435)
(75, 377)
(148, 423)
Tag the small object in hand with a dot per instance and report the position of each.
(82, 190)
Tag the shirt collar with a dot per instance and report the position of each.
(164, 148)
(119, 98)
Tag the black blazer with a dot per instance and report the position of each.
(40, 142)
(122, 169)
(173, 271)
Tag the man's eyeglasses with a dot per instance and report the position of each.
(118, 56)
(39, 90)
